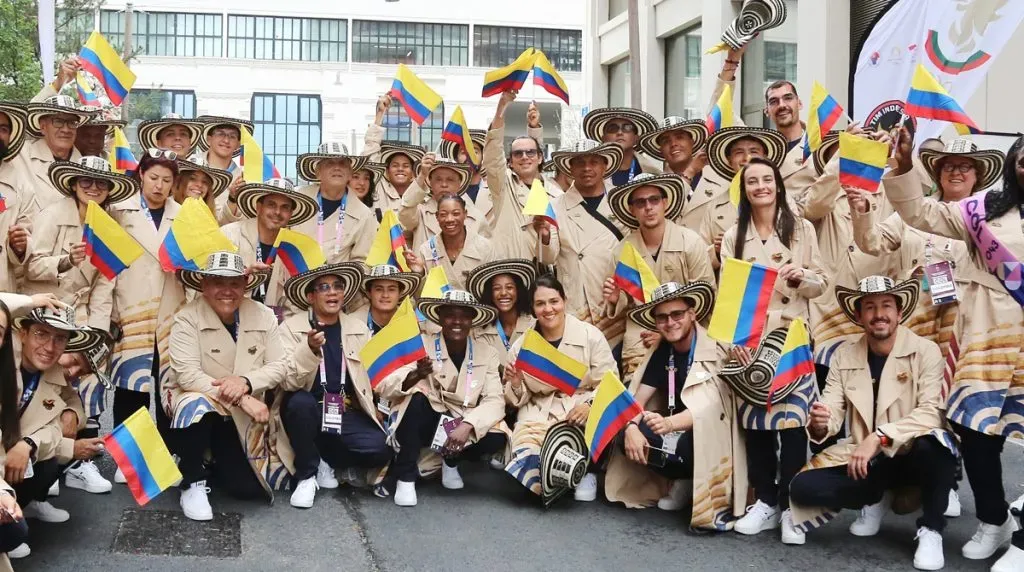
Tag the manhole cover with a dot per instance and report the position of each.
(171, 533)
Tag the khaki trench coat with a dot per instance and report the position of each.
(21, 208)
(40, 421)
(245, 235)
(489, 334)
(418, 215)
(33, 168)
(357, 230)
(475, 252)
(709, 192)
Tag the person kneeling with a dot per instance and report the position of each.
(888, 382)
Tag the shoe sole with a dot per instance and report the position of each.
(48, 521)
(938, 566)
(73, 483)
(328, 486)
(764, 527)
(203, 518)
(405, 503)
(310, 505)
(794, 542)
(865, 534)
(1001, 546)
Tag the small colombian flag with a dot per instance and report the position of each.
(108, 246)
(796, 360)
(142, 456)
(396, 345)
(634, 276)
(862, 162)
(121, 158)
(541, 360)
(256, 167)
(99, 59)
(929, 100)
(414, 94)
(389, 245)
(538, 203)
(436, 283)
(613, 407)
(458, 132)
(741, 307)
(825, 112)
(298, 252)
(544, 75)
(86, 96)
(721, 114)
(511, 77)
(194, 235)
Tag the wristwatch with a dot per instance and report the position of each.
(884, 439)
(31, 444)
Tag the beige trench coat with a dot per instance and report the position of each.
(245, 235)
(418, 215)
(33, 168)
(21, 208)
(40, 421)
(475, 252)
(357, 230)
(709, 192)
(489, 334)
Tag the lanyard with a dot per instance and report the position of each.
(145, 209)
(501, 334)
(259, 258)
(634, 169)
(928, 246)
(369, 322)
(672, 372)
(433, 248)
(469, 366)
(337, 225)
(31, 384)
(323, 369)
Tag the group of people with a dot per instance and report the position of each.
(912, 294)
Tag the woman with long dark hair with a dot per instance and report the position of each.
(767, 233)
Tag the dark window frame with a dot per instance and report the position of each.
(177, 34)
(284, 159)
(497, 46)
(287, 38)
(413, 43)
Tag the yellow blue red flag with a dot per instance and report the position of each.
(538, 203)
(108, 246)
(256, 167)
(414, 94)
(121, 158)
(545, 75)
(634, 276)
(389, 245)
(395, 345)
(796, 360)
(99, 59)
(613, 407)
(511, 77)
(929, 100)
(194, 235)
(142, 455)
(825, 112)
(458, 132)
(297, 251)
(721, 114)
(862, 162)
(543, 361)
(741, 307)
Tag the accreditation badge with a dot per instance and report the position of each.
(941, 285)
(334, 405)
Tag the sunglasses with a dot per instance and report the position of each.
(520, 153)
(676, 316)
(87, 183)
(617, 127)
(641, 202)
(162, 154)
(962, 167)
(325, 287)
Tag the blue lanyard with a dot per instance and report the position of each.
(337, 225)
(31, 384)
(501, 334)
(672, 372)
(259, 258)
(145, 209)
(433, 248)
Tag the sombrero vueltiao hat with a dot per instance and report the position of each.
(149, 130)
(307, 164)
(611, 153)
(906, 294)
(450, 150)
(251, 193)
(53, 105)
(989, 162)
(829, 143)
(478, 278)
(376, 172)
(755, 16)
(350, 273)
(408, 282)
(99, 120)
(18, 116)
(595, 121)
(670, 184)
(753, 381)
(698, 295)
(695, 128)
(223, 264)
(564, 458)
(721, 140)
(211, 122)
(80, 339)
(63, 175)
(197, 162)
(461, 169)
(431, 307)
(389, 149)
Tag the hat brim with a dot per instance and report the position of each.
(79, 339)
(351, 274)
(464, 172)
(989, 164)
(698, 295)
(109, 124)
(720, 141)
(479, 277)
(37, 111)
(670, 184)
(610, 152)
(193, 279)
(752, 382)
(595, 121)
(307, 164)
(389, 150)
(561, 435)
(450, 149)
(696, 129)
(906, 292)
(221, 178)
(149, 132)
(829, 144)
(211, 122)
(63, 174)
(431, 307)
(305, 207)
(408, 282)
(18, 117)
(376, 171)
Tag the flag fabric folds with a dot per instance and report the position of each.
(796, 360)
(511, 77)
(634, 276)
(741, 307)
(538, 203)
(389, 245)
(929, 100)
(825, 112)
(142, 456)
(721, 114)
(108, 246)
(99, 59)
(396, 345)
(545, 75)
(86, 96)
(121, 158)
(418, 99)
(458, 132)
(862, 162)
(736, 188)
(613, 407)
(194, 235)
(256, 167)
(543, 361)
(298, 252)
(436, 283)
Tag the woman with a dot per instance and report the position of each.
(198, 179)
(145, 297)
(985, 404)
(400, 164)
(541, 405)
(769, 234)
(505, 286)
(457, 249)
(364, 184)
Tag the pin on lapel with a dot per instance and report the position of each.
(215, 351)
(48, 404)
(777, 257)
(902, 377)
(252, 350)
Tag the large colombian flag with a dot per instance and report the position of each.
(796, 360)
(298, 252)
(194, 235)
(929, 100)
(741, 308)
(862, 162)
(612, 409)
(108, 246)
(541, 360)
(634, 276)
(511, 77)
(389, 245)
(142, 456)
(545, 75)
(414, 94)
(395, 345)
(99, 59)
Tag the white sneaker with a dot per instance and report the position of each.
(928, 555)
(325, 478)
(119, 477)
(405, 493)
(870, 519)
(759, 517)
(195, 503)
(587, 489)
(1018, 504)
(46, 512)
(304, 493)
(790, 533)
(20, 551)
(988, 539)
(54, 489)
(1012, 561)
(450, 478)
(86, 476)
(953, 508)
(678, 496)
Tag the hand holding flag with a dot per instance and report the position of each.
(613, 407)
(796, 360)
(99, 59)
(389, 245)
(539, 204)
(396, 345)
(634, 276)
(458, 132)
(86, 96)
(721, 115)
(108, 246)
(862, 161)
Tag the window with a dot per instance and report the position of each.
(73, 29)
(618, 84)
(497, 46)
(167, 33)
(269, 38)
(143, 104)
(286, 127)
(409, 43)
(682, 75)
(399, 127)
(779, 62)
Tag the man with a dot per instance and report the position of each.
(219, 142)
(886, 387)
(647, 205)
(268, 207)
(91, 138)
(587, 233)
(328, 409)
(622, 126)
(171, 131)
(438, 176)
(400, 160)
(783, 106)
(385, 287)
(344, 226)
(54, 122)
(509, 182)
(19, 207)
(689, 409)
(226, 353)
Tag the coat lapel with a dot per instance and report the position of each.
(859, 390)
(251, 338)
(216, 341)
(897, 376)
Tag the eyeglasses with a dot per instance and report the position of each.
(87, 183)
(959, 167)
(617, 127)
(520, 153)
(641, 202)
(325, 287)
(225, 133)
(43, 337)
(676, 316)
(60, 122)
(162, 153)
